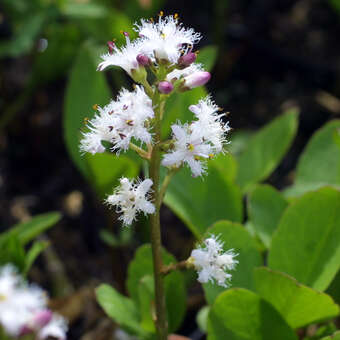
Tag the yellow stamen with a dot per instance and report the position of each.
(211, 156)
(176, 16)
(161, 13)
(95, 107)
(2, 297)
(190, 147)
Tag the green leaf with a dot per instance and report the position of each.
(334, 288)
(24, 37)
(33, 253)
(239, 314)
(335, 336)
(84, 10)
(207, 56)
(120, 308)
(141, 266)
(199, 202)
(265, 207)
(27, 231)
(319, 164)
(266, 149)
(335, 4)
(239, 141)
(12, 251)
(306, 244)
(146, 296)
(84, 89)
(202, 318)
(62, 41)
(299, 305)
(235, 236)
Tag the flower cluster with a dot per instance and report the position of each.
(23, 308)
(200, 140)
(119, 122)
(212, 262)
(131, 198)
(163, 41)
(162, 52)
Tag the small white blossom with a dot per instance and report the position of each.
(17, 300)
(124, 57)
(119, 122)
(189, 148)
(22, 306)
(166, 39)
(200, 140)
(131, 198)
(212, 262)
(210, 123)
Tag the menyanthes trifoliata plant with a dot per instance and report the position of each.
(161, 61)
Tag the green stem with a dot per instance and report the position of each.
(148, 88)
(175, 266)
(139, 150)
(166, 183)
(155, 232)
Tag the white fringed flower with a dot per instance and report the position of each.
(166, 39)
(200, 140)
(124, 57)
(210, 123)
(119, 122)
(21, 305)
(131, 198)
(189, 148)
(212, 262)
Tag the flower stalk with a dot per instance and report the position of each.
(134, 121)
(155, 230)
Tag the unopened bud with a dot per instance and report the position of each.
(42, 318)
(111, 46)
(165, 87)
(143, 60)
(197, 79)
(187, 59)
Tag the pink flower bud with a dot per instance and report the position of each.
(165, 87)
(42, 318)
(25, 330)
(197, 79)
(143, 60)
(111, 46)
(39, 320)
(187, 59)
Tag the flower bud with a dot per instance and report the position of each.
(165, 87)
(143, 60)
(42, 318)
(197, 79)
(111, 46)
(187, 59)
